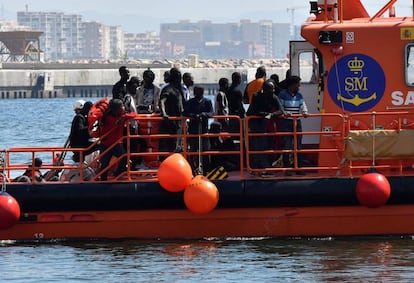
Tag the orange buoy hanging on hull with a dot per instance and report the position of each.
(201, 195)
(9, 210)
(373, 190)
(174, 173)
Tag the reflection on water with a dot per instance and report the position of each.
(267, 260)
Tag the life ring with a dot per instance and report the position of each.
(354, 125)
(406, 123)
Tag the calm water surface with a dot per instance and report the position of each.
(29, 122)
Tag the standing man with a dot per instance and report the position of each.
(221, 105)
(255, 85)
(293, 103)
(119, 89)
(199, 109)
(148, 94)
(188, 82)
(79, 134)
(264, 104)
(172, 105)
(235, 100)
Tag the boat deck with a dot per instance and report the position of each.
(344, 151)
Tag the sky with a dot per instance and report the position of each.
(140, 16)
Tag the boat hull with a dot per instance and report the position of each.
(222, 223)
(247, 208)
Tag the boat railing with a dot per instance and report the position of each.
(383, 143)
(293, 153)
(365, 130)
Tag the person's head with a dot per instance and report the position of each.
(124, 72)
(198, 92)
(188, 79)
(78, 105)
(116, 107)
(288, 74)
(175, 76)
(269, 87)
(223, 84)
(148, 76)
(215, 127)
(293, 84)
(135, 80)
(260, 72)
(131, 87)
(275, 78)
(87, 107)
(236, 78)
(167, 76)
(38, 162)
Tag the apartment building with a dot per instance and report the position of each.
(63, 34)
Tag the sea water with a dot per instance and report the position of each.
(46, 122)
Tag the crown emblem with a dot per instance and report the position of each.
(356, 65)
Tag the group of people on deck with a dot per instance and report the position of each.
(270, 104)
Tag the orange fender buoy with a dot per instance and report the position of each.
(373, 190)
(174, 173)
(9, 210)
(201, 195)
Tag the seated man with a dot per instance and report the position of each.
(230, 162)
(32, 173)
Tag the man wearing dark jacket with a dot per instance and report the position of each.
(199, 109)
(266, 105)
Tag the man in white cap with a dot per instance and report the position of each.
(79, 134)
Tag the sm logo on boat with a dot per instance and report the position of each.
(356, 83)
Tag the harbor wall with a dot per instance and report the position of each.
(58, 82)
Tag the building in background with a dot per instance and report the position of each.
(116, 43)
(94, 41)
(142, 45)
(63, 34)
(263, 39)
(68, 37)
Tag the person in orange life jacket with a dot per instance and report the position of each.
(255, 85)
(136, 144)
(199, 109)
(79, 134)
(293, 103)
(266, 105)
(112, 122)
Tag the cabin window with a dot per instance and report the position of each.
(308, 67)
(409, 65)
